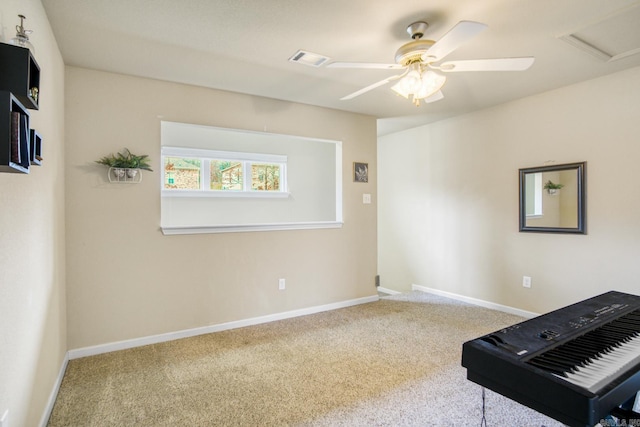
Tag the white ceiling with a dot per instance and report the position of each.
(244, 46)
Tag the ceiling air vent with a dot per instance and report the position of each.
(308, 58)
(610, 38)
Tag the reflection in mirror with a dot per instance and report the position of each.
(552, 198)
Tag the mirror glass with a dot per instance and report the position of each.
(552, 198)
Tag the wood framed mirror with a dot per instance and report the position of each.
(552, 199)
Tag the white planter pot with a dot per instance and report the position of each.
(124, 175)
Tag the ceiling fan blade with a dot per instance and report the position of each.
(498, 64)
(462, 32)
(371, 87)
(369, 65)
(433, 98)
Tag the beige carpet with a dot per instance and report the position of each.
(395, 362)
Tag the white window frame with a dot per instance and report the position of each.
(247, 159)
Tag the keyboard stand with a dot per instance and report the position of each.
(630, 417)
(626, 413)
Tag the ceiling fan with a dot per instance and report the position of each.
(420, 58)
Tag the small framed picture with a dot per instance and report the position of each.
(360, 172)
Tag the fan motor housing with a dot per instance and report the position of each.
(412, 51)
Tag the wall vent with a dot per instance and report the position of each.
(308, 58)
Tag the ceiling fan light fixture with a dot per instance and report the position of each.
(431, 83)
(413, 80)
(419, 85)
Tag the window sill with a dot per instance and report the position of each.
(232, 228)
(227, 194)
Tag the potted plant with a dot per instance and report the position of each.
(551, 187)
(125, 163)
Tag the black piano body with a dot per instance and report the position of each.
(499, 361)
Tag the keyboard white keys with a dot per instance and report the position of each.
(607, 366)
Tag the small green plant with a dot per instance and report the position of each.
(127, 160)
(550, 185)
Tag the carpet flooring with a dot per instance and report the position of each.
(395, 362)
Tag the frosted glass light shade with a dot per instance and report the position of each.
(424, 86)
(431, 83)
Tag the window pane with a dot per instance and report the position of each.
(265, 177)
(226, 175)
(181, 173)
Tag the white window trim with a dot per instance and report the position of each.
(246, 158)
(233, 228)
(226, 194)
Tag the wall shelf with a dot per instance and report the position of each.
(35, 148)
(15, 135)
(20, 146)
(20, 74)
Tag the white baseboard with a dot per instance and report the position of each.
(388, 291)
(54, 393)
(154, 339)
(475, 301)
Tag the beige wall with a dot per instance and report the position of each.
(126, 280)
(448, 198)
(32, 261)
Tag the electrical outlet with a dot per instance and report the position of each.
(4, 421)
(281, 286)
(526, 281)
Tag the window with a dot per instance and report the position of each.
(218, 180)
(226, 175)
(181, 173)
(196, 173)
(265, 177)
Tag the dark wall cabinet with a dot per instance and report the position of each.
(20, 146)
(15, 143)
(20, 74)
(35, 148)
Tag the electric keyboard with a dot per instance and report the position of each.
(576, 365)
